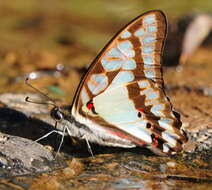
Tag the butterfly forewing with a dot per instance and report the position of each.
(123, 89)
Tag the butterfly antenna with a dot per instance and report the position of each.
(27, 99)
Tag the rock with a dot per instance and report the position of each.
(20, 127)
(20, 156)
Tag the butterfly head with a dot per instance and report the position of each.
(60, 113)
(57, 114)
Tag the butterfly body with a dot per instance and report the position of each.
(90, 132)
(121, 100)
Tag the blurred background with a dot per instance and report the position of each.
(54, 41)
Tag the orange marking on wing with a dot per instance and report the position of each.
(95, 83)
(140, 109)
(89, 105)
(155, 141)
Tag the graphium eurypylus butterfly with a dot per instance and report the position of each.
(121, 100)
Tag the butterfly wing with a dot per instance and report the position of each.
(123, 89)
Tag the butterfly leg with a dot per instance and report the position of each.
(61, 142)
(88, 144)
(46, 135)
(62, 133)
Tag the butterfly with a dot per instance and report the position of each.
(121, 100)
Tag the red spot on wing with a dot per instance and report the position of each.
(140, 109)
(141, 142)
(155, 141)
(89, 105)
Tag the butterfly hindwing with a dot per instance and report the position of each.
(123, 89)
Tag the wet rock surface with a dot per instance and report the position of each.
(20, 156)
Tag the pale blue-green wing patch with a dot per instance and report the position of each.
(123, 89)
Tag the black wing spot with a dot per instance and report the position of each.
(139, 114)
(148, 125)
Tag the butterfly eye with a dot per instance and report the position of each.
(56, 114)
